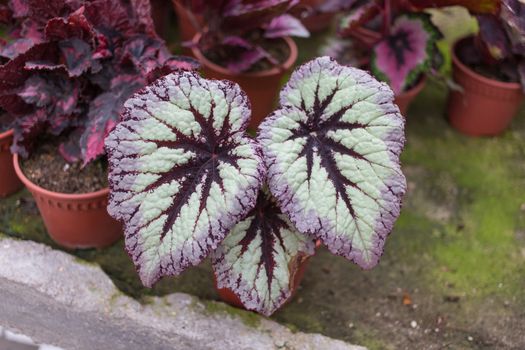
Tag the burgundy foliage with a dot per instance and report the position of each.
(70, 66)
(236, 29)
(501, 42)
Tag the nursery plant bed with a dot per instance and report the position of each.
(453, 269)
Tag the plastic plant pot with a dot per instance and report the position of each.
(74, 220)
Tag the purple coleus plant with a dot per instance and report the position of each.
(236, 30)
(403, 44)
(72, 64)
(188, 182)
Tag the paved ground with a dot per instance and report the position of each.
(15, 341)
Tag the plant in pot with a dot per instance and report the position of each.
(189, 182)
(248, 42)
(317, 15)
(9, 182)
(69, 73)
(490, 69)
(398, 46)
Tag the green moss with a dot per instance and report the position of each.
(248, 318)
(371, 340)
(484, 252)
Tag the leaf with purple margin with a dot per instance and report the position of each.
(332, 152)
(357, 16)
(260, 257)
(104, 112)
(15, 48)
(285, 25)
(77, 56)
(171, 65)
(252, 14)
(247, 59)
(182, 171)
(494, 40)
(407, 52)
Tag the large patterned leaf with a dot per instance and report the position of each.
(182, 171)
(260, 258)
(407, 52)
(332, 152)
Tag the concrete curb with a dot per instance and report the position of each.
(53, 298)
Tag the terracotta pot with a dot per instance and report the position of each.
(486, 106)
(74, 220)
(187, 29)
(262, 88)
(9, 182)
(404, 99)
(229, 297)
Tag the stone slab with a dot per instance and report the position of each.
(54, 298)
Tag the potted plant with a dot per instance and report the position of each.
(70, 71)
(490, 68)
(402, 44)
(9, 182)
(248, 42)
(187, 180)
(317, 15)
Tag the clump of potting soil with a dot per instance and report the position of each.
(48, 169)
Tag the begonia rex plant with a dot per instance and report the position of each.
(72, 64)
(188, 182)
(240, 33)
(402, 43)
(500, 42)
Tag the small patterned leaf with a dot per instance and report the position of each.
(261, 256)
(356, 17)
(407, 52)
(332, 152)
(182, 171)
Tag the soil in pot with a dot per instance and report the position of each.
(491, 95)
(262, 82)
(48, 169)
(73, 220)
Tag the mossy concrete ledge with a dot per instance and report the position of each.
(51, 297)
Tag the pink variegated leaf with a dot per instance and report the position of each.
(261, 256)
(332, 151)
(182, 171)
(285, 25)
(407, 52)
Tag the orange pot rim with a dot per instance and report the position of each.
(6, 134)
(55, 195)
(265, 73)
(416, 89)
(475, 76)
